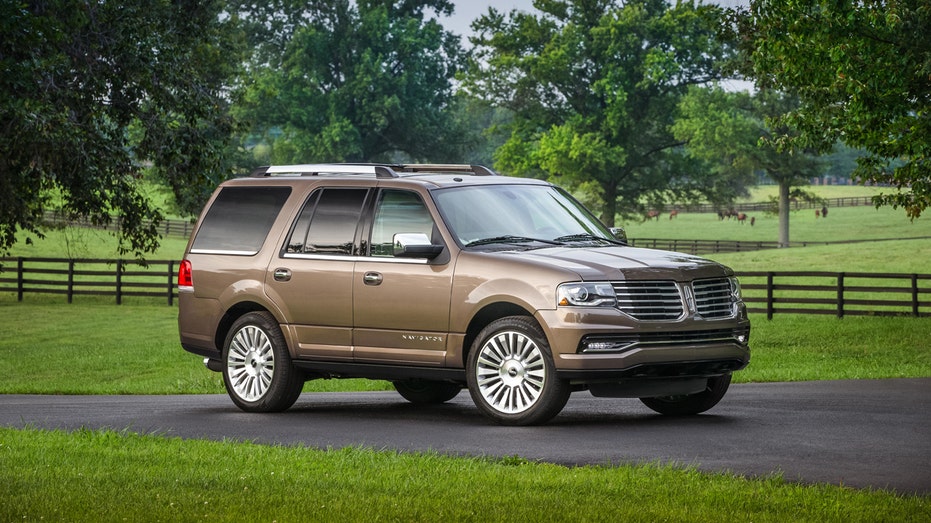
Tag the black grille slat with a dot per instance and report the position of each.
(649, 300)
(713, 298)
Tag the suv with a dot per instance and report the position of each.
(440, 277)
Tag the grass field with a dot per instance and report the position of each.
(94, 347)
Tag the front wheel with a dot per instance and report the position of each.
(691, 403)
(257, 368)
(511, 375)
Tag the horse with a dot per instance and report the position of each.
(673, 214)
(741, 217)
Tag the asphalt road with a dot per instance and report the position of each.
(860, 434)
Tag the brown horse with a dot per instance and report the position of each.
(673, 214)
(741, 218)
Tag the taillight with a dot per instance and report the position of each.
(185, 279)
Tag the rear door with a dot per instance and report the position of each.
(312, 279)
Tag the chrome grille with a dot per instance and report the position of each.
(713, 298)
(649, 300)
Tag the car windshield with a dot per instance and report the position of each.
(528, 215)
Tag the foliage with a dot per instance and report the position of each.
(91, 92)
(352, 81)
(862, 70)
(593, 86)
(733, 131)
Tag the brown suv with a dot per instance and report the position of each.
(439, 277)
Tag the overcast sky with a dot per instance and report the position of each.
(468, 10)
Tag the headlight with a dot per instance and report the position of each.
(586, 294)
(735, 288)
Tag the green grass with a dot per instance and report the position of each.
(78, 242)
(110, 476)
(842, 224)
(101, 348)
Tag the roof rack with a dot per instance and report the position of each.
(379, 170)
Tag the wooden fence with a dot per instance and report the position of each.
(89, 277)
(714, 246)
(836, 293)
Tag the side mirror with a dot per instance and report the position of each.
(415, 245)
(619, 234)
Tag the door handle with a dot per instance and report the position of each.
(372, 278)
(282, 274)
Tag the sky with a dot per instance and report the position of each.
(468, 10)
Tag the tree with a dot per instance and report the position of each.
(354, 81)
(862, 70)
(731, 131)
(92, 92)
(594, 86)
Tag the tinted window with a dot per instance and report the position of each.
(328, 223)
(398, 212)
(239, 219)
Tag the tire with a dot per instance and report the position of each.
(257, 368)
(511, 375)
(427, 392)
(692, 403)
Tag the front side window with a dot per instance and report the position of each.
(328, 222)
(398, 212)
(239, 220)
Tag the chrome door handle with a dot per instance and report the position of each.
(282, 274)
(372, 278)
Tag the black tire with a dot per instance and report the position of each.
(692, 403)
(511, 375)
(257, 368)
(426, 392)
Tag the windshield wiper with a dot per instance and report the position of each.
(509, 239)
(586, 237)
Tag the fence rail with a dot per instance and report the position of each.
(715, 246)
(798, 292)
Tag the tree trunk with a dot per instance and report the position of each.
(783, 214)
(609, 210)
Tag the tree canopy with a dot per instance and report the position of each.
(93, 92)
(353, 81)
(732, 132)
(594, 86)
(862, 70)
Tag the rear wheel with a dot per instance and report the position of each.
(427, 391)
(691, 403)
(257, 368)
(511, 375)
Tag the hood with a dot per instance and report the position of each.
(621, 263)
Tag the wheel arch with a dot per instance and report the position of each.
(486, 315)
(232, 314)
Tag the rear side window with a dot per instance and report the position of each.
(239, 220)
(328, 223)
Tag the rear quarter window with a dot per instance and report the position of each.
(239, 219)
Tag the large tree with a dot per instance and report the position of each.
(369, 80)
(862, 70)
(93, 92)
(732, 132)
(594, 86)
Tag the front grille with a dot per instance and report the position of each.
(649, 300)
(622, 342)
(713, 298)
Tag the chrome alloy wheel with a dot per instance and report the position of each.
(250, 363)
(510, 372)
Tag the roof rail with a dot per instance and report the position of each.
(379, 170)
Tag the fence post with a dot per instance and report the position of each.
(70, 281)
(171, 285)
(915, 295)
(20, 279)
(840, 295)
(119, 282)
(770, 310)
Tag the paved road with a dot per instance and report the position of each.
(855, 433)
